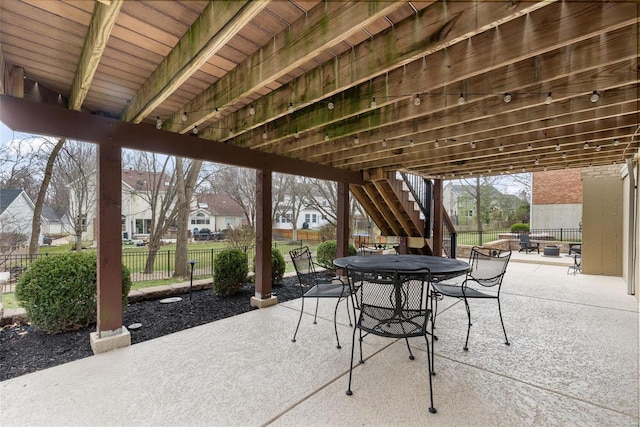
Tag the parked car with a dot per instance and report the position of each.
(204, 234)
(46, 240)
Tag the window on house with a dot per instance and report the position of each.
(314, 218)
(307, 217)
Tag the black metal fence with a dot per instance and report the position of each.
(550, 234)
(162, 267)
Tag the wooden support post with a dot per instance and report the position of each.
(263, 297)
(110, 333)
(343, 220)
(437, 217)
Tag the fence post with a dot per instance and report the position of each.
(168, 263)
(561, 239)
(211, 261)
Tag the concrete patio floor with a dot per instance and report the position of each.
(573, 360)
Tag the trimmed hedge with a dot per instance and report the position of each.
(59, 293)
(230, 271)
(520, 228)
(326, 252)
(278, 266)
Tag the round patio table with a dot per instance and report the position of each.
(441, 268)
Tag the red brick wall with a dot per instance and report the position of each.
(557, 187)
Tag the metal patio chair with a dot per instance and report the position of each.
(526, 244)
(391, 304)
(315, 284)
(487, 271)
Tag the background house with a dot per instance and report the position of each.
(52, 223)
(497, 208)
(556, 199)
(16, 216)
(217, 212)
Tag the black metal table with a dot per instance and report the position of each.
(441, 268)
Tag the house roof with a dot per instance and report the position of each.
(7, 196)
(353, 88)
(144, 181)
(220, 205)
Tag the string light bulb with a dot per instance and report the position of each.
(436, 144)
(616, 142)
(373, 103)
(264, 134)
(184, 116)
(507, 98)
(411, 143)
(384, 142)
(326, 136)
(548, 100)
(230, 132)
(158, 123)
(331, 105)
(557, 147)
(595, 96)
(461, 99)
(296, 135)
(290, 109)
(536, 162)
(598, 148)
(252, 110)
(417, 100)
(500, 147)
(195, 130)
(586, 145)
(564, 155)
(473, 144)
(217, 113)
(529, 147)
(356, 140)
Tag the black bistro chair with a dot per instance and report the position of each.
(394, 305)
(487, 270)
(317, 284)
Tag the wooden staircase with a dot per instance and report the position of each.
(393, 208)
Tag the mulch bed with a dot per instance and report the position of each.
(25, 349)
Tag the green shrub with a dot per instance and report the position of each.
(277, 266)
(230, 270)
(59, 292)
(520, 228)
(326, 252)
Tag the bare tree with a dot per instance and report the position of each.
(291, 195)
(158, 190)
(240, 185)
(77, 163)
(186, 183)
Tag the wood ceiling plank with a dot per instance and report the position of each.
(332, 22)
(436, 71)
(440, 114)
(511, 136)
(208, 34)
(431, 31)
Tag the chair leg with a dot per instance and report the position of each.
(315, 315)
(466, 304)
(432, 409)
(506, 340)
(335, 323)
(353, 344)
(299, 319)
(411, 356)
